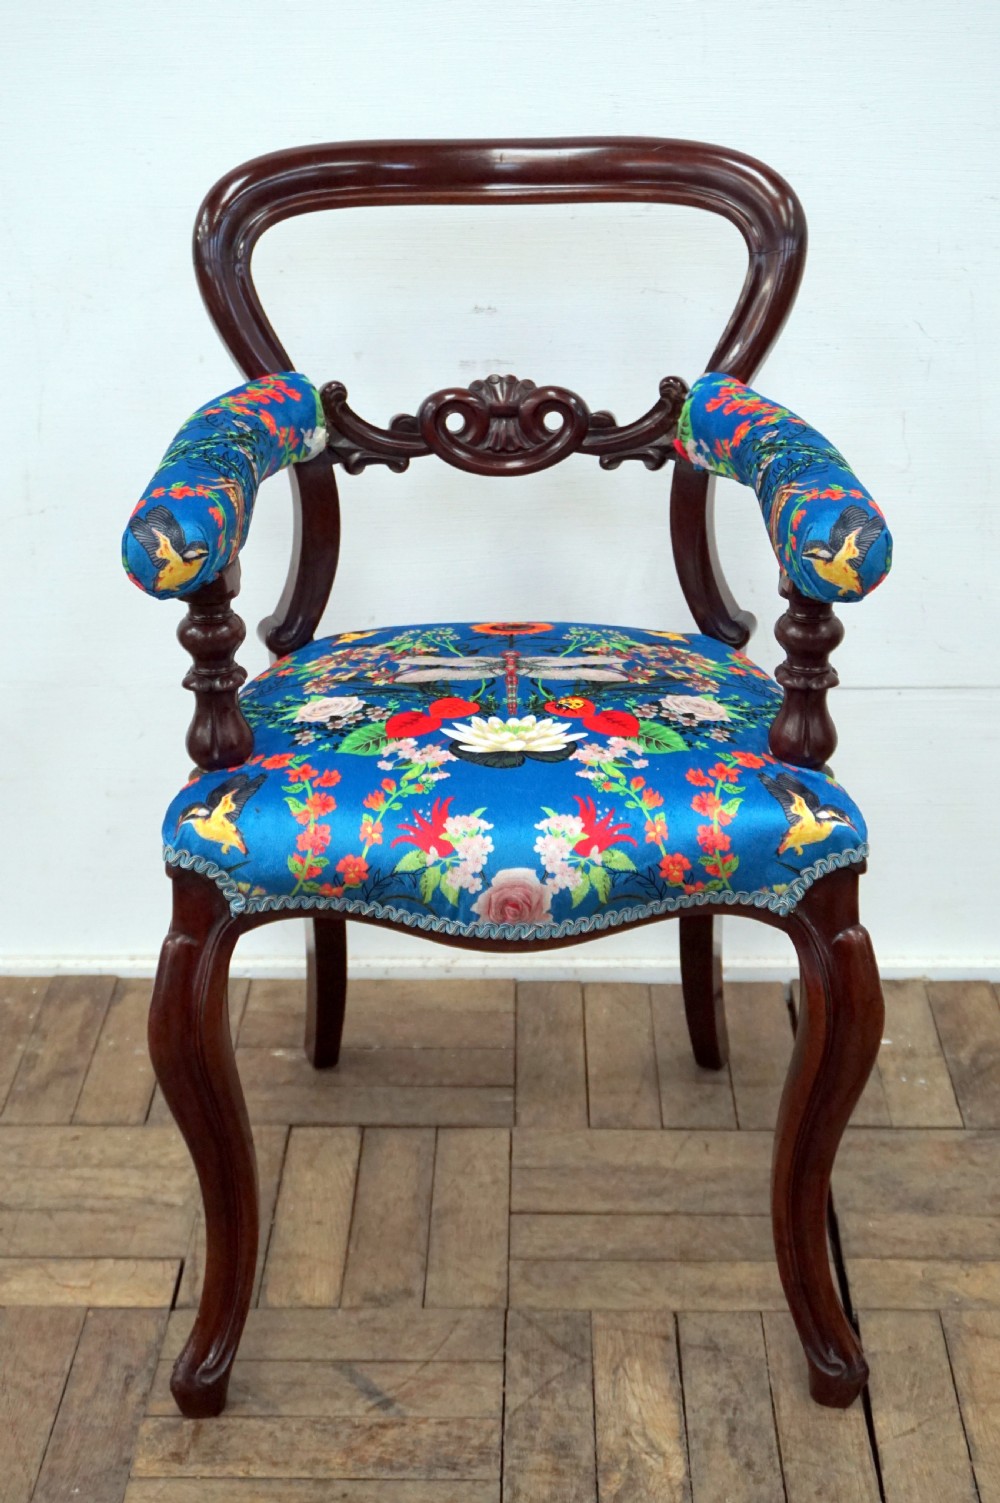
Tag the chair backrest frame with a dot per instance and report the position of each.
(263, 192)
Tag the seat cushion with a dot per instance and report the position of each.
(512, 781)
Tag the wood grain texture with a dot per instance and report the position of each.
(301, 1490)
(470, 1216)
(381, 1015)
(760, 1047)
(21, 999)
(548, 1439)
(914, 1074)
(638, 1410)
(94, 1435)
(680, 1238)
(140, 1282)
(56, 1057)
(967, 1016)
(312, 1219)
(36, 1349)
(731, 1437)
(973, 1339)
(119, 1083)
(387, 1252)
(551, 1057)
(621, 1057)
(918, 1426)
(689, 1096)
(371, 1335)
(550, 1284)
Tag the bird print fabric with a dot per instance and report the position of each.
(826, 531)
(511, 780)
(193, 517)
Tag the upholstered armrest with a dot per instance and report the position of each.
(826, 531)
(194, 515)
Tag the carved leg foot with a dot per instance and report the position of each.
(192, 1054)
(701, 983)
(837, 1040)
(326, 989)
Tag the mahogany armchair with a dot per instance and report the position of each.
(501, 785)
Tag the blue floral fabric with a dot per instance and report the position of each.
(512, 780)
(826, 531)
(194, 515)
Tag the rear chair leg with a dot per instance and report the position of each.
(192, 1053)
(326, 988)
(836, 1042)
(701, 983)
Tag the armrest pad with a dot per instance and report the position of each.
(194, 516)
(826, 531)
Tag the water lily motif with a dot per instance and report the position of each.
(506, 743)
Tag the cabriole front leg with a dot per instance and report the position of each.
(837, 1039)
(192, 1053)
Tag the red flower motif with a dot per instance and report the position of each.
(318, 804)
(302, 774)
(353, 869)
(651, 799)
(712, 840)
(748, 759)
(673, 867)
(706, 803)
(328, 779)
(637, 783)
(601, 832)
(723, 774)
(427, 833)
(698, 778)
(271, 764)
(656, 829)
(376, 801)
(314, 840)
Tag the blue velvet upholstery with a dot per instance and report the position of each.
(194, 515)
(826, 531)
(511, 780)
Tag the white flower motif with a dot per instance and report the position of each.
(620, 746)
(553, 850)
(336, 707)
(433, 756)
(693, 707)
(314, 440)
(591, 754)
(527, 734)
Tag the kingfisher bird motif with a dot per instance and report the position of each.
(839, 560)
(810, 822)
(175, 560)
(215, 818)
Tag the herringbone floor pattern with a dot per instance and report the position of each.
(515, 1247)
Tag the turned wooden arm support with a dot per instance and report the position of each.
(211, 632)
(803, 731)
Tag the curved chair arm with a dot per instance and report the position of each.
(194, 516)
(828, 535)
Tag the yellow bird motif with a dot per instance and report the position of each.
(810, 822)
(215, 818)
(175, 560)
(839, 559)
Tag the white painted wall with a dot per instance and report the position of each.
(118, 116)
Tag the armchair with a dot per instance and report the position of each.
(503, 785)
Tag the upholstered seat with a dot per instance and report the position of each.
(512, 780)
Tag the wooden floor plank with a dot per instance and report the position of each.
(140, 1282)
(914, 1074)
(359, 1336)
(470, 1216)
(21, 999)
(387, 1251)
(551, 1059)
(548, 1445)
(638, 1409)
(55, 1060)
(924, 1283)
(327, 1448)
(95, 1192)
(760, 1047)
(36, 1350)
(731, 1439)
(549, 1284)
(269, 1143)
(685, 1239)
(918, 1427)
(301, 1490)
(323, 1390)
(312, 1219)
(914, 1235)
(973, 1339)
(689, 1095)
(825, 1453)
(95, 1431)
(695, 1173)
(623, 1089)
(120, 1082)
(903, 1172)
(967, 1015)
(461, 1014)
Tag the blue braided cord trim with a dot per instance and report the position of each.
(780, 903)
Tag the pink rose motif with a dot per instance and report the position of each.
(516, 896)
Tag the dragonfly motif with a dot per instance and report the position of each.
(510, 666)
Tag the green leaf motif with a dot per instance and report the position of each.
(601, 883)
(580, 891)
(429, 883)
(657, 738)
(364, 741)
(413, 861)
(618, 861)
